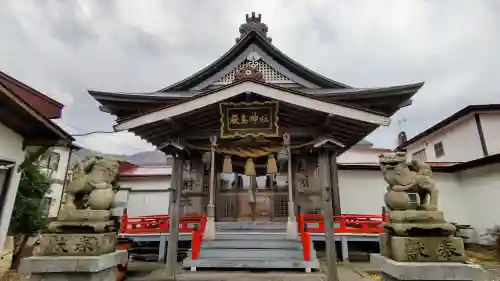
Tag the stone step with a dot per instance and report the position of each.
(250, 236)
(251, 263)
(251, 253)
(245, 244)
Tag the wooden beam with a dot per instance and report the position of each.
(250, 86)
(294, 132)
(43, 142)
(325, 143)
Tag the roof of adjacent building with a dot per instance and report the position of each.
(470, 109)
(43, 104)
(442, 167)
(28, 112)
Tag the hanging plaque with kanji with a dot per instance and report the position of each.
(249, 119)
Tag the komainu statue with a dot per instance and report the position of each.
(415, 232)
(84, 225)
(93, 186)
(403, 179)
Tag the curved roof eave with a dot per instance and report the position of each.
(410, 89)
(251, 37)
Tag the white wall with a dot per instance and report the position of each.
(361, 192)
(144, 196)
(146, 183)
(360, 155)
(490, 122)
(481, 194)
(147, 203)
(10, 149)
(460, 141)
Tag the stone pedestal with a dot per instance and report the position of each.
(422, 249)
(392, 270)
(77, 244)
(74, 268)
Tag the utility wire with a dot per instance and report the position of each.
(91, 133)
(82, 134)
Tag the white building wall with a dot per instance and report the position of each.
(480, 189)
(360, 155)
(490, 122)
(361, 192)
(144, 196)
(11, 149)
(460, 141)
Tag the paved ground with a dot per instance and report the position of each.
(150, 270)
(154, 271)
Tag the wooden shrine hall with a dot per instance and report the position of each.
(255, 135)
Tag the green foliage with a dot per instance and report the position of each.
(28, 216)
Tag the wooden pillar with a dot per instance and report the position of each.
(210, 226)
(334, 178)
(291, 226)
(173, 237)
(295, 182)
(326, 194)
(253, 201)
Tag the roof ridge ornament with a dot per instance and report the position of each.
(248, 73)
(253, 23)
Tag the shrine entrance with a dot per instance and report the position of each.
(251, 198)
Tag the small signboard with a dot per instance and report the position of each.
(249, 119)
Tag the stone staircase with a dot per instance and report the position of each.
(251, 245)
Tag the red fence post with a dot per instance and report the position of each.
(195, 249)
(123, 226)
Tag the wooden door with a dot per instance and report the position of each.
(243, 198)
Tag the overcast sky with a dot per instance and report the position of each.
(64, 48)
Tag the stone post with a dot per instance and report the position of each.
(173, 237)
(210, 226)
(291, 226)
(326, 195)
(418, 244)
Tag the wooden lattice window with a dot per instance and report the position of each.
(419, 155)
(281, 205)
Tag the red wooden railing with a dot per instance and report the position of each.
(159, 224)
(198, 238)
(308, 223)
(345, 223)
(314, 224)
(305, 237)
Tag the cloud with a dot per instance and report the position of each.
(64, 48)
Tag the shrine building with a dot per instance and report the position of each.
(257, 133)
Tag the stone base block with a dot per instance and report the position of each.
(395, 271)
(422, 249)
(82, 226)
(70, 213)
(416, 216)
(77, 244)
(90, 268)
(417, 229)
